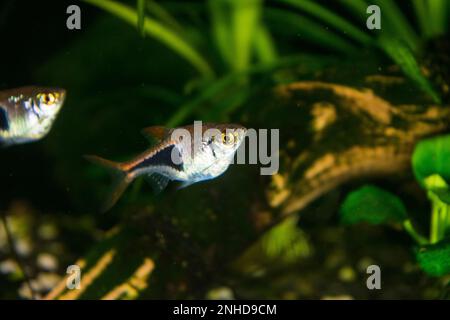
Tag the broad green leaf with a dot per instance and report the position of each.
(372, 205)
(431, 156)
(403, 56)
(435, 259)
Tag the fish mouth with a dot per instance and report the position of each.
(63, 94)
(242, 132)
(239, 132)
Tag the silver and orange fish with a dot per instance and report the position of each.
(181, 154)
(27, 113)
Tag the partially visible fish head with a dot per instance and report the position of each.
(227, 140)
(42, 105)
(27, 113)
(49, 101)
(220, 143)
(208, 155)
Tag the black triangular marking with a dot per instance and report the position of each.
(4, 122)
(162, 158)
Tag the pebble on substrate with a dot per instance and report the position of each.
(47, 261)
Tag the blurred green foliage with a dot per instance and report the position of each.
(435, 259)
(373, 205)
(431, 157)
(241, 35)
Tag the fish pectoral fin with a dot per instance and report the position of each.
(153, 133)
(158, 182)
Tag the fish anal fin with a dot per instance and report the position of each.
(157, 133)
(186, 184)
(158, 182)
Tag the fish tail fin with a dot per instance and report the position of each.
(123, 179)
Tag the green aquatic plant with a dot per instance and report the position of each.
(377, 206)
(373, 205)
(404, 57)
(241, 33)
(158, 30)
(397, 37)
(332, 19)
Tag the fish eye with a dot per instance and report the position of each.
(47, 98)
(227, 138)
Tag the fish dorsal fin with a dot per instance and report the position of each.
(157, 133)
(157, 181)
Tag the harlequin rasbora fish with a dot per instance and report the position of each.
(180, 154)
(27, 113)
